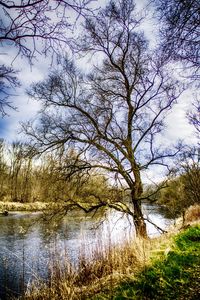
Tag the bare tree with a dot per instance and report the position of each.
(189, 171)
(8, 81)
(114, 116)
(3, 171)
(16, 163)
(26, 22)
(33, 27)
(20, 164)
(191, 174)
(180, 32)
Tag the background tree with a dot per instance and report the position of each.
(183, 189)
(53, 184)
(47, 178)
(3, 171)
(32, 28)
(191, 174)
(16, 163)
(113, 116)
(173, 197)
(180, 32)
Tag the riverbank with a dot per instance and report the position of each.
(172, 274)
(29, 207)
(17, 206)
(167, 267)
(33, 206)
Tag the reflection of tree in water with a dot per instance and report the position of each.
(159, 209)
(69, 225)
(12, 255)
(166, 212)
(21, 255)
(17, 225)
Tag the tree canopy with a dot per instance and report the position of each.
(35, 28)
(112, 116)
(180, 32)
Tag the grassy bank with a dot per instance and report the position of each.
(173, 275)
(17, 206)
(167, 267)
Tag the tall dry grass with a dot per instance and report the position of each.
(99, 269)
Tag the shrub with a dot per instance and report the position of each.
(193, 213)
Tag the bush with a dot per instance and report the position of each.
(193, 213)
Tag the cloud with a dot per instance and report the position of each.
(177, 125)
(154, 175)
(10, 126)
(26, 108)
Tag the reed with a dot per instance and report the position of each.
(100, 269)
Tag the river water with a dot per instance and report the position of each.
(27, 242)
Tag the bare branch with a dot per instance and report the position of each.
(114, 115)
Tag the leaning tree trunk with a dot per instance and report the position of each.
(140, 225)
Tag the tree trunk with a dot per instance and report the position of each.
(140, 225)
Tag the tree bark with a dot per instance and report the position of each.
(140, 225)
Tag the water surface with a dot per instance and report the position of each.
(27, 245)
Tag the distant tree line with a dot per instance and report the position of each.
(24, 178)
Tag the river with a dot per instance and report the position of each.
(27, 242)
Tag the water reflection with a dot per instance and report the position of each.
(27, 243)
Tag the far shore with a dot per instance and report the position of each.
(27, 207)
(7, 206)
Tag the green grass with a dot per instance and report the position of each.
(175, 275)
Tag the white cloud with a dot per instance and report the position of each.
(154, 175)
(177, 125)
(26, 107)
(26, 110)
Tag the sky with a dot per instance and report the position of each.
(26, 108)
(177, 126)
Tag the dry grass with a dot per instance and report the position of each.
(35, 206)
(192, 213)
(100, 269)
